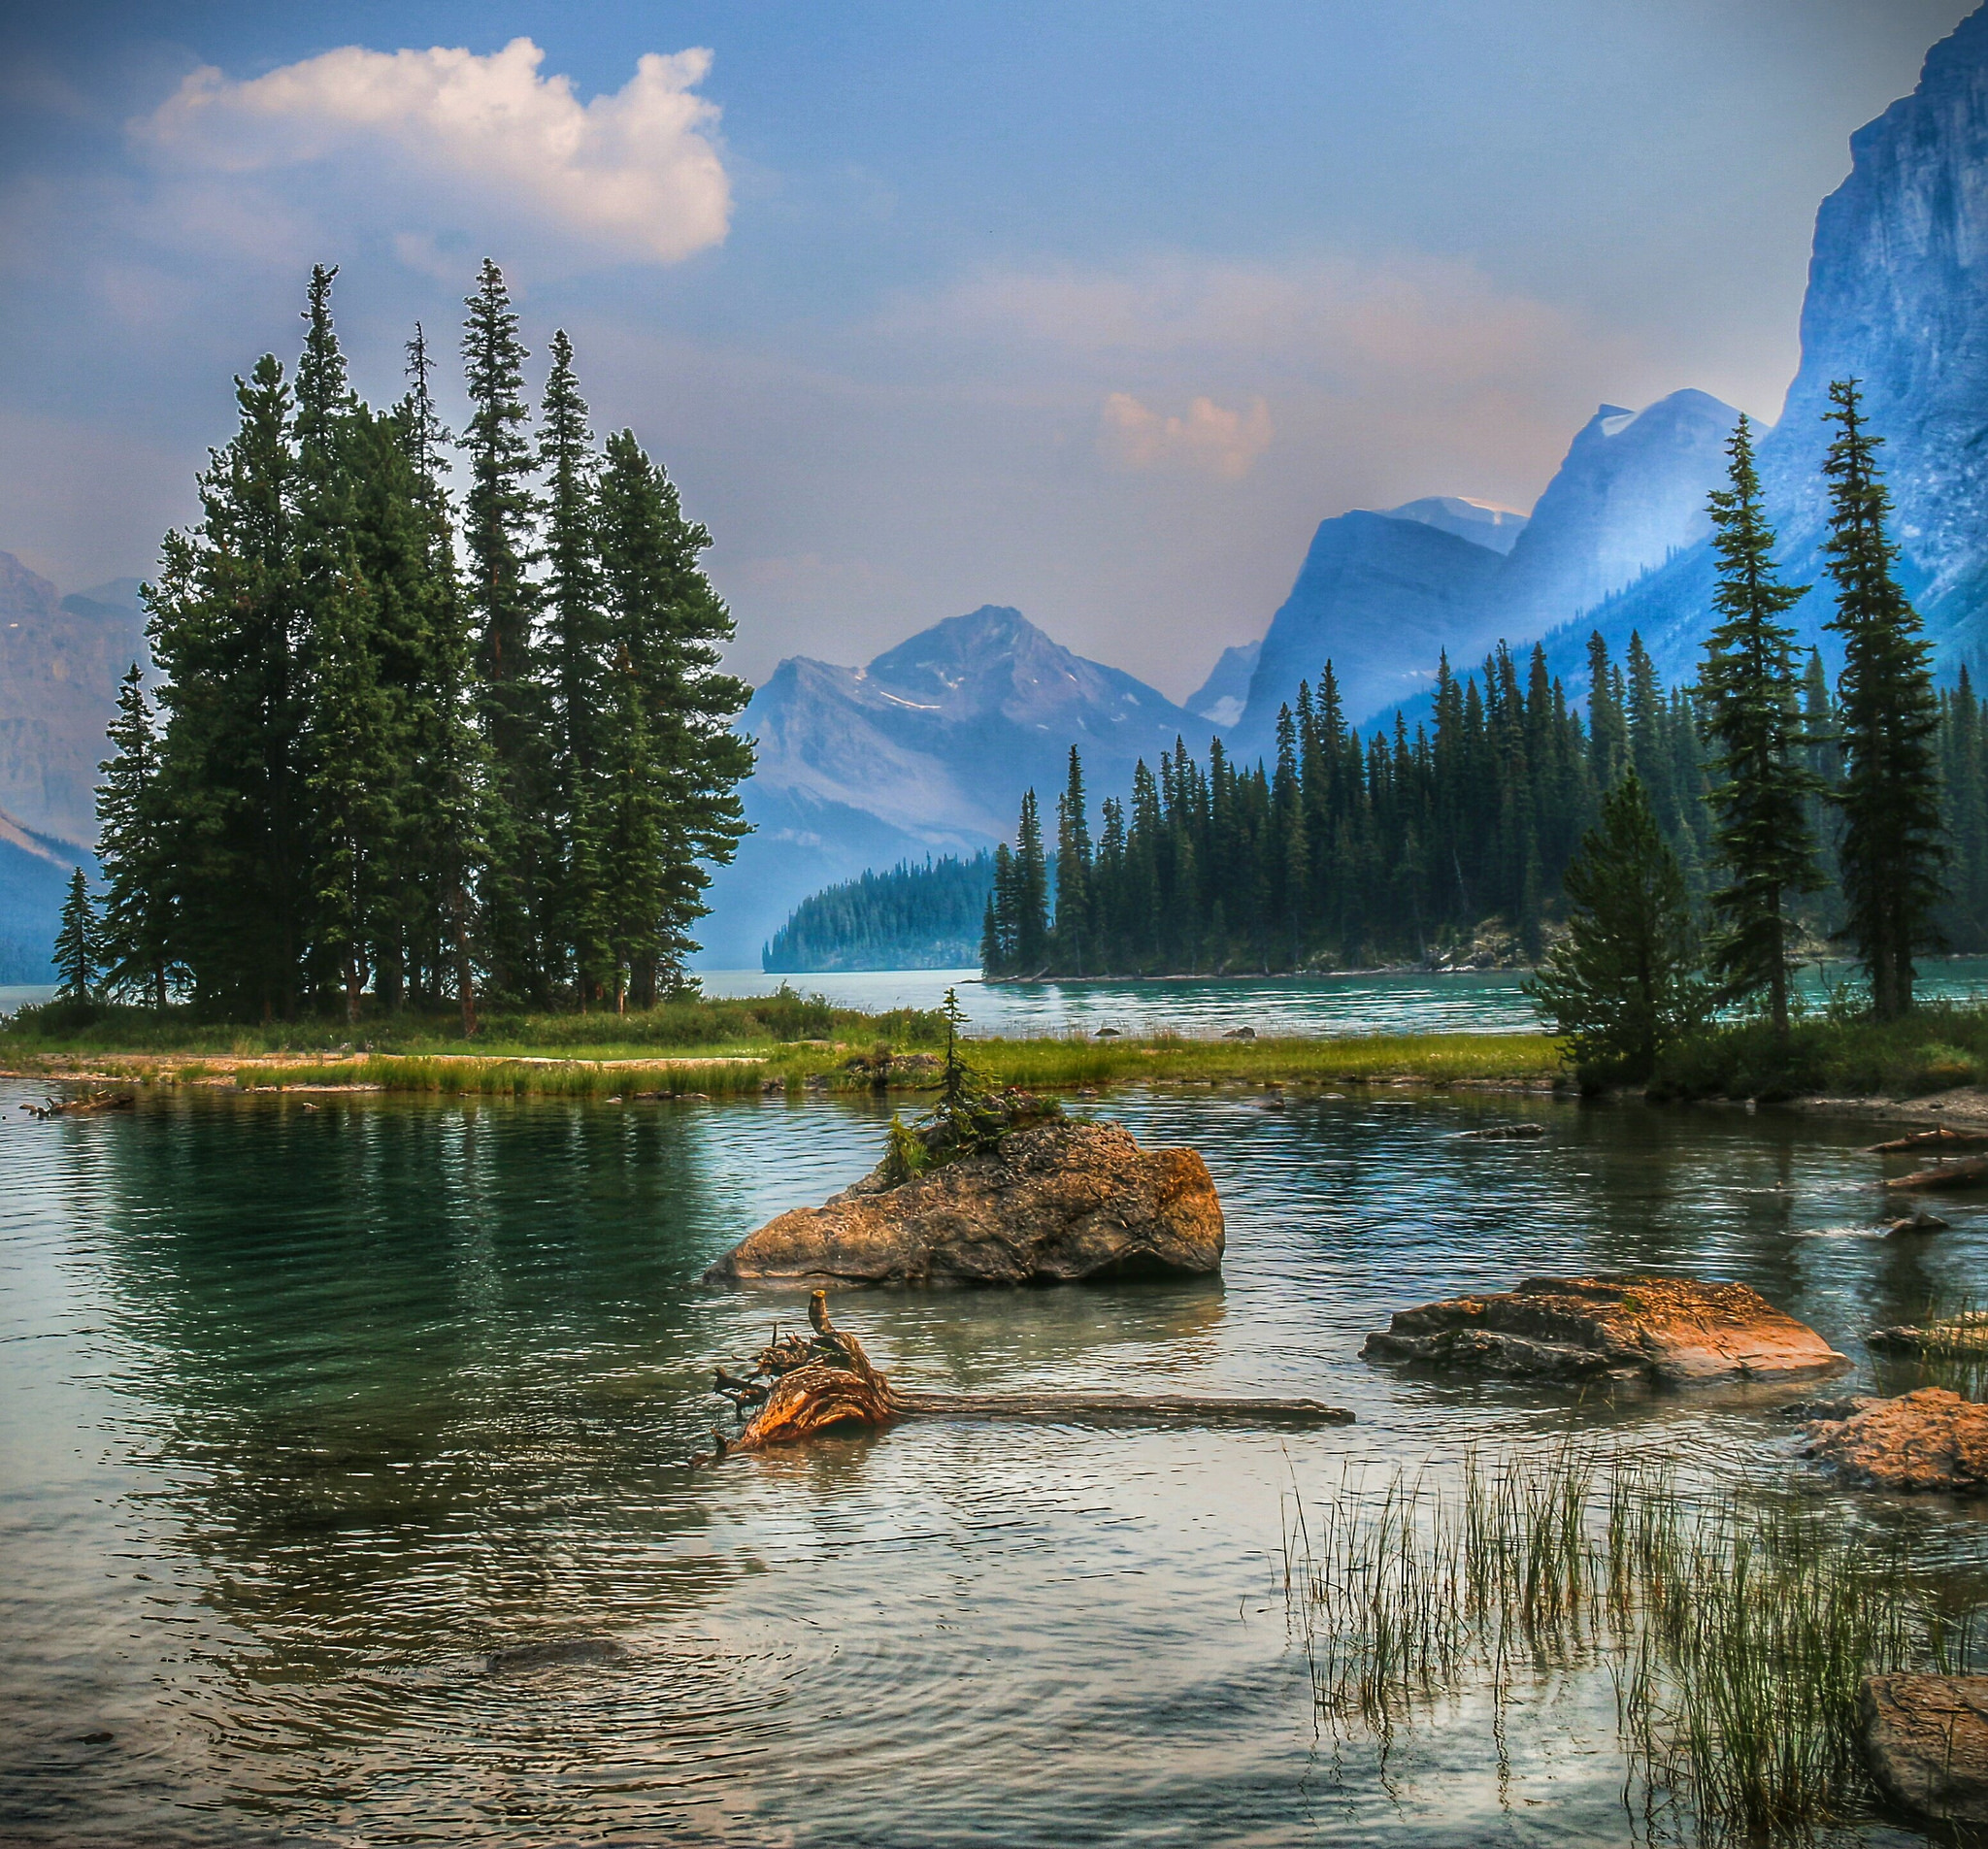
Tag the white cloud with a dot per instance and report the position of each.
(634, 175)
(1222, 443)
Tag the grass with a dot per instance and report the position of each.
(782, 1018)
(713, 1048)
(1736, 1624)
(1937, 1047)
(1953, 1348)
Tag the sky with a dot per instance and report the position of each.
(1095, 311)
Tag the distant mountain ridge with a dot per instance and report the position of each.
(1897, 298)
(60, 661)
(926, 750)
(1381, 596)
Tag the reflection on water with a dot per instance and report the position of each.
(1386, 1002)
(305, 1413)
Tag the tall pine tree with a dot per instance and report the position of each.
(1893, 854)
(137, 930)
(1762, 798)
(498, 514)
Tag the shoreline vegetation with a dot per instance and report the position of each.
(782, 1043)
(787, 1042)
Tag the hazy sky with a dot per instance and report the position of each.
(1095, 310)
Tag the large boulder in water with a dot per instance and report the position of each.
(1931, 1440)
(1660, 1329)
(1926, 1740)
(1048, 1204)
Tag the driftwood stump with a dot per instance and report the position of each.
(799, 1386)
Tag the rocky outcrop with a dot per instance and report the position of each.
(1661, 1329)
(1048, 1205)
(1926, 1742)
(1931, 1440)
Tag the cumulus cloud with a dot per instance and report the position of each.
(636, 174)
(1220, 442)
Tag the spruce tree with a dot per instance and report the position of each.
(351, 744)
(1030, 892)
(1074, 933)
(77, 955)
(1763, 796)
(1607, 728)
(498, 512)
(1289, 861)
(575, 663)
(1620, 986)
(1893, 854)
(224, 628)
(446, 812)
(137, 934)
(662, 610)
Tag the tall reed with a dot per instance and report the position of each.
(1734, 1623)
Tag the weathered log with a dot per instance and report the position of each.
(1970, 1171)
(1134, 1408)
(93, 1101)
(1939, 1137)
(802, 1387)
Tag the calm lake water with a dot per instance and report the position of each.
(305, 1412)
(1391, 1002)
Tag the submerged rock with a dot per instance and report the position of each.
(1931, 1440)
(517, 1658)
(1964, 1336)
(1664, 1329)
(1052, 1204)
(1926, 1742)
(1920, 1222)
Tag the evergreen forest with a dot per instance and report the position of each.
(1451, 843)
(415, 742)
(912, 918)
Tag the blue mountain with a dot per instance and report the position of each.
(1382, 595)
(1897, 298)
(927, 749)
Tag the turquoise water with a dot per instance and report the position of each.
(306, 1412)
(1389, 1001)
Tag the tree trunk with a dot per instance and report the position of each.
(799, 1387)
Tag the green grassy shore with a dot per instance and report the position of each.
(714, 1048)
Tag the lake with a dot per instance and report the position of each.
(306, 1412)
(1381, 1001)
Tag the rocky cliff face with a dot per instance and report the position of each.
(926, 750)
(1897, 298)
(1381, 596)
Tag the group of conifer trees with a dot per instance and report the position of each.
(1788, 811)
(915, 916)
(409, 749)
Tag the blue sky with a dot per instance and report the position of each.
(1092, 309)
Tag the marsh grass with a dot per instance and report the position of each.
(1954, 1351)
(455, 1076)
(1733, 1623)
(578, 1057)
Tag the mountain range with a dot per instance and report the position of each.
(928, 749)
(1897, 297)
(925, 751)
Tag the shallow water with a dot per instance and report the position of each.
(305, 1414)
(1382, 1002)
